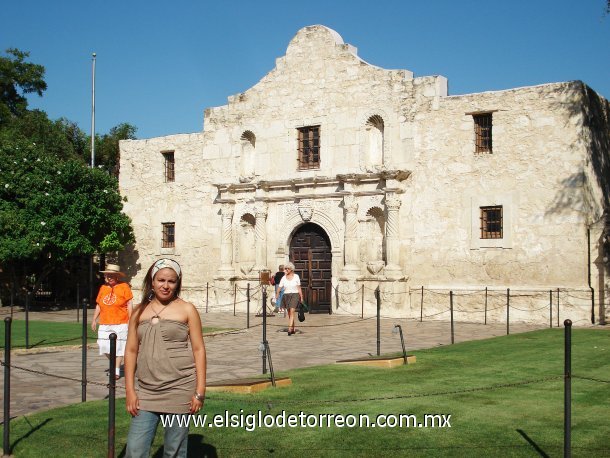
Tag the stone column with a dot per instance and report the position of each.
(350, 207)
(392, 238)
(226, 242)
(260, 236)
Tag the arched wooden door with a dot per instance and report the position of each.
(310, 252)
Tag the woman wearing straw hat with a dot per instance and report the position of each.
(114, 306)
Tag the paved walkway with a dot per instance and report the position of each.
(321, 339)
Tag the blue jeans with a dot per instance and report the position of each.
(278, 301)
(142, 432)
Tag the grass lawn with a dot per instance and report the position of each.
(52, 334)
(480, 384)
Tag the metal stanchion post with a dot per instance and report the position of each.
(28, 299)
(398, 328)
(550, 308)
(6, 442)
(567, 391)
(264, 277)
(207, 296)
(248, 307)
(111, 395)
(378, 296)
(592, 305)
(421, 305)
(264, 329)
(362, 306)
(77, 303)
(507, 311)
(84, 354)
(557, 307)
(451, 310)
(268, 350)
(486, 305)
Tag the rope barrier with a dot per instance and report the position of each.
(530, 310)
(332, 401)
(325, 325)
(591, 379)
(93, 339)
(399, 396)
(211, 397)
(62, 377)
(346, 293)
(436, 314)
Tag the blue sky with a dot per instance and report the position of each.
(161, 63)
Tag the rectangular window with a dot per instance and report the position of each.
(170, 174)
(169, 235)
(491, 222)
(309, 147)
(482, 133)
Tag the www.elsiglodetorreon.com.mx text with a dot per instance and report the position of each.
(252, 421)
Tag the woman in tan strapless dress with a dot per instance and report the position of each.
(165, 351)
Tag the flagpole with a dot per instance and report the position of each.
(85, 321)
(93, 112)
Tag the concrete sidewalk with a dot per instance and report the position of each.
(321, 339)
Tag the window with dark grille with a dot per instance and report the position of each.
(169, 235)
(491, 222)
(170, 171)
(482, 132)
(309, 147)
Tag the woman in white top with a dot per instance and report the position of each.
(292, 294)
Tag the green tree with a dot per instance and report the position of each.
(55, 211)
(61, 138)
(18, 78)
(107, 147)
(51, 210)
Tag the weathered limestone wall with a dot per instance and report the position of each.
(187, 202)
(238, 187)
(535, 172)
(318, 82)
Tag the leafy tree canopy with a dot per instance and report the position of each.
(107, 147)
(52, 209)
(61, 138)
(17, 78)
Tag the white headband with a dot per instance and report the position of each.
(165, 263)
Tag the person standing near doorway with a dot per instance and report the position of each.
(113, 309)
(279, 293)
(293, 294)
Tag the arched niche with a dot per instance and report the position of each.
(374, 140)
(248, 157)
(372, 230)
(246, 242)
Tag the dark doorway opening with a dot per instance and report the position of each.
(310, 252)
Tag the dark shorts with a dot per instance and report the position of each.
(290, 300)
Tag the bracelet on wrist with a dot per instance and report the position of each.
(199, 397)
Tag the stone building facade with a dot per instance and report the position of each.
(371, 178)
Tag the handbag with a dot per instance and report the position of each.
(301, 312)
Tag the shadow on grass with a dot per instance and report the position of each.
(47, 342)
(196, 448)
(32, 430)
(532, 443)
